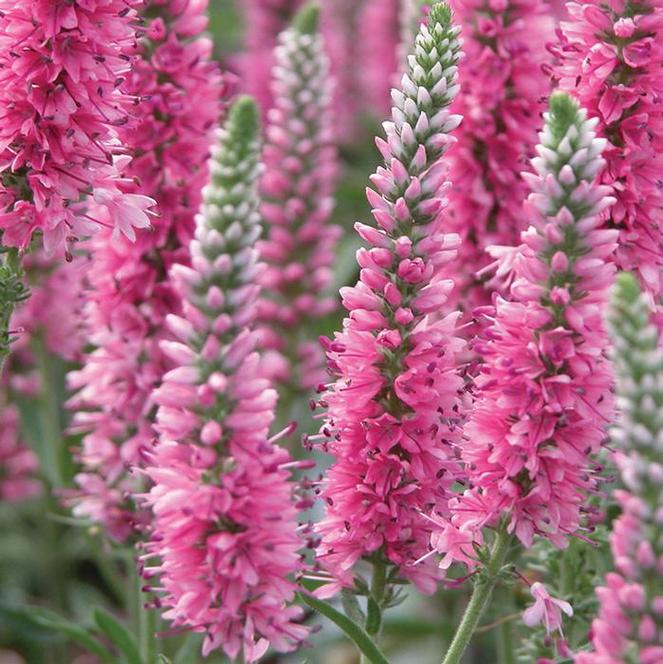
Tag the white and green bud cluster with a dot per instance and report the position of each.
(420, 115)
(219, 290)
(410, 18)
(638, 361)
(569, 159)
(224, 255)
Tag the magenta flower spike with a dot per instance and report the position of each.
(543, 395)
(610, 56)
(297, 188)
(628, 626)
(393, 409)
(504, 96)
(130, 291)
(63, 71)
(224, 525)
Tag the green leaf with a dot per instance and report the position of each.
(50, 621)
(119, 636)
(353, 631)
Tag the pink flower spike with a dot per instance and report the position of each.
(132, 284)
(610, 56)
(300, 246)
(223, 534)
(543, 396)
(392, 412)
(504, 88)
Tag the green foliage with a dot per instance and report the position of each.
(351, 629)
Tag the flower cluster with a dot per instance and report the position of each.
(504, 91)
(610, 56)
(224, 523)
(63, 69)
(543, 394)
(393, 410)
(297, 189)
(628, 627)
(130, 293)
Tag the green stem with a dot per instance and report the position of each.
(375, 603)
(12, 291)
(144, 620)
(504, 636)
(148, 639)
(483, 590)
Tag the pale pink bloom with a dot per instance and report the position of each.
(546, 609)
(628, 625)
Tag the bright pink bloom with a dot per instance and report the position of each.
(392, 413)
(63, 93)
(543, 395)
(130, 290)
(297, 188)
(611, 59)
(503, 96)
(224, 526)
(546, 609)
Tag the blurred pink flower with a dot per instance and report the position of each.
(504, 91)
(297, 186)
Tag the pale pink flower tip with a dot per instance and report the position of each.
(546, 609)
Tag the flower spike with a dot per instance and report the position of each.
(543, 397)
(224, 527)
(297, 186)
(631, 601)
(393, 410)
